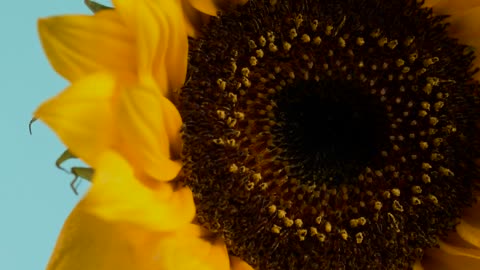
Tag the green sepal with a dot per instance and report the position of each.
(66, 155)
(95, 7)
(80, 173)
(30, 125)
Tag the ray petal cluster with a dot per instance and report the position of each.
(123, 65)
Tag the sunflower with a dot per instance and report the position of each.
(307, 134)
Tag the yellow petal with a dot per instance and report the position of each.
(193, 18)
(192, 249)
(161, 40)
(447, 258)
(149, 124)
(466, 26)
(88, 242)
(239, 264)
(431, 3)
(458, 250)
(452, 6)
(469, 227)
(82, 116)
(198, 12)
(78, 45)
(117, 195)
(173, 55)
(469, 233)
(205, 6)
(418, 266)
(172, 125)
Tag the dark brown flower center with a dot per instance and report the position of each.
(330, 134)
(329, 128)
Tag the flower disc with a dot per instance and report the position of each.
(330, 134)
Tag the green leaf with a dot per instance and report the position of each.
(95, 7)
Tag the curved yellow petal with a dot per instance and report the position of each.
(469, 227)
(458, 250)
(431, 3)
(78, 45)
(466, 26)
(205, 6)
(82, 116)
(452, 6)
(149, 123)
(117, 195)
(94, 114)
(198, 12)
(161, 41)
(448, 257)
(127, 10)
(418, 265)
(172, 125)
(193, 18)
(192, 249)
(174, 52)
(88, 242)
(238, 264)
(469, 233)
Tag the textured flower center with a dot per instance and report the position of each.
(329, 134)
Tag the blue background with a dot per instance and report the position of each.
(35, 197)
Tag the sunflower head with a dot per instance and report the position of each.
(330, 135)
(309, 134)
